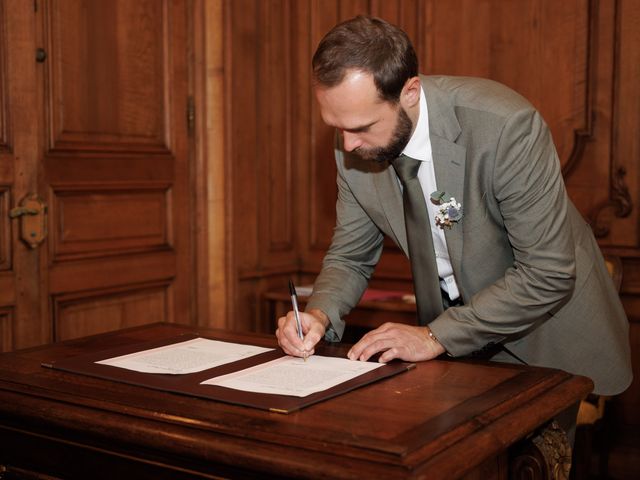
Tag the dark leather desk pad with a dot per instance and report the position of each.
(189, 384)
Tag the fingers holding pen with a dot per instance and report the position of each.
(313, 329)
(287, 334)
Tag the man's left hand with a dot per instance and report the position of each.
(397, 340)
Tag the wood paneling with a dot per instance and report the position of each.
(513, 42)
(108, 85)
(275, 170)
(622, 226)
(213, 212)
(6, 329)
(96, 125)
(5, 229)
(263, 170)
(5, 160)
(116, 165)
(109, 220)
(627, 403)
(322, 180)
(116, 271)
(20, 283)
(619, 217)
(77, 315)
(4, 106)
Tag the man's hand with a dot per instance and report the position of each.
(396, 340)
(314, 323)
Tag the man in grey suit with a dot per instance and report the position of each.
(507, 265)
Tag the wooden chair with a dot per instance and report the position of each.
(592, 426)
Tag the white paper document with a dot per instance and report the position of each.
(293, 376)
(185, 357)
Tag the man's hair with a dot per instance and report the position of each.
(370, 45)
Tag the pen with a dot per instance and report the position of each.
(294, 302)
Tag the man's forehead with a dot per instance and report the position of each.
(354, 104)
(358, 78)
(354, 94)
(355, 85)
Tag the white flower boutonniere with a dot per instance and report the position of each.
(449, 211)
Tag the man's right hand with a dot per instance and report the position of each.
(313, 323)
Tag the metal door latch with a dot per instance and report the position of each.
(32, 212)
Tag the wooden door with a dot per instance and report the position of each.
(96, 115)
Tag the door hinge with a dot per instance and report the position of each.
(191, 115)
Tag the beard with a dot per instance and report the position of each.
(399, 139)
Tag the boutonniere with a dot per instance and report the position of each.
(449, 211)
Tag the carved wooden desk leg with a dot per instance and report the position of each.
(545, 455)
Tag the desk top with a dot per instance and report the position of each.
(444, 418)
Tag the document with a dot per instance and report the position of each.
(294, 376)
(185, 357)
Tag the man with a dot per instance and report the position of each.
(507, 266)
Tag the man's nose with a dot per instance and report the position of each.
(350, 141)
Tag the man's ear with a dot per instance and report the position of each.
(410, 95)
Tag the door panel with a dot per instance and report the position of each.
(77, 316)
(109, 79)
(97, 128)
(96, 221)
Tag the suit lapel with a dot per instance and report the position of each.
(448, 162)
(448, 159)
(390, 197)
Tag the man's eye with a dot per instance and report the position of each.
(357, 130)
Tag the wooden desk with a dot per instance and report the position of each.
(442, 420)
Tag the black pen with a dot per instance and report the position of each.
(296, 312)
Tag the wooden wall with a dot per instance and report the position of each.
(578, 61)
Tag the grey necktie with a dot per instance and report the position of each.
(423, 263)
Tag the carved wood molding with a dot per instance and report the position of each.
(619, 202)
(546, 455)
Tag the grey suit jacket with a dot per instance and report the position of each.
(527, 265)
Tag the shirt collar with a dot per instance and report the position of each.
(419, 146)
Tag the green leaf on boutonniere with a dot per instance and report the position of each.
(437, 197)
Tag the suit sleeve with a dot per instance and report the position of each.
(529, 189)
(350, 261)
